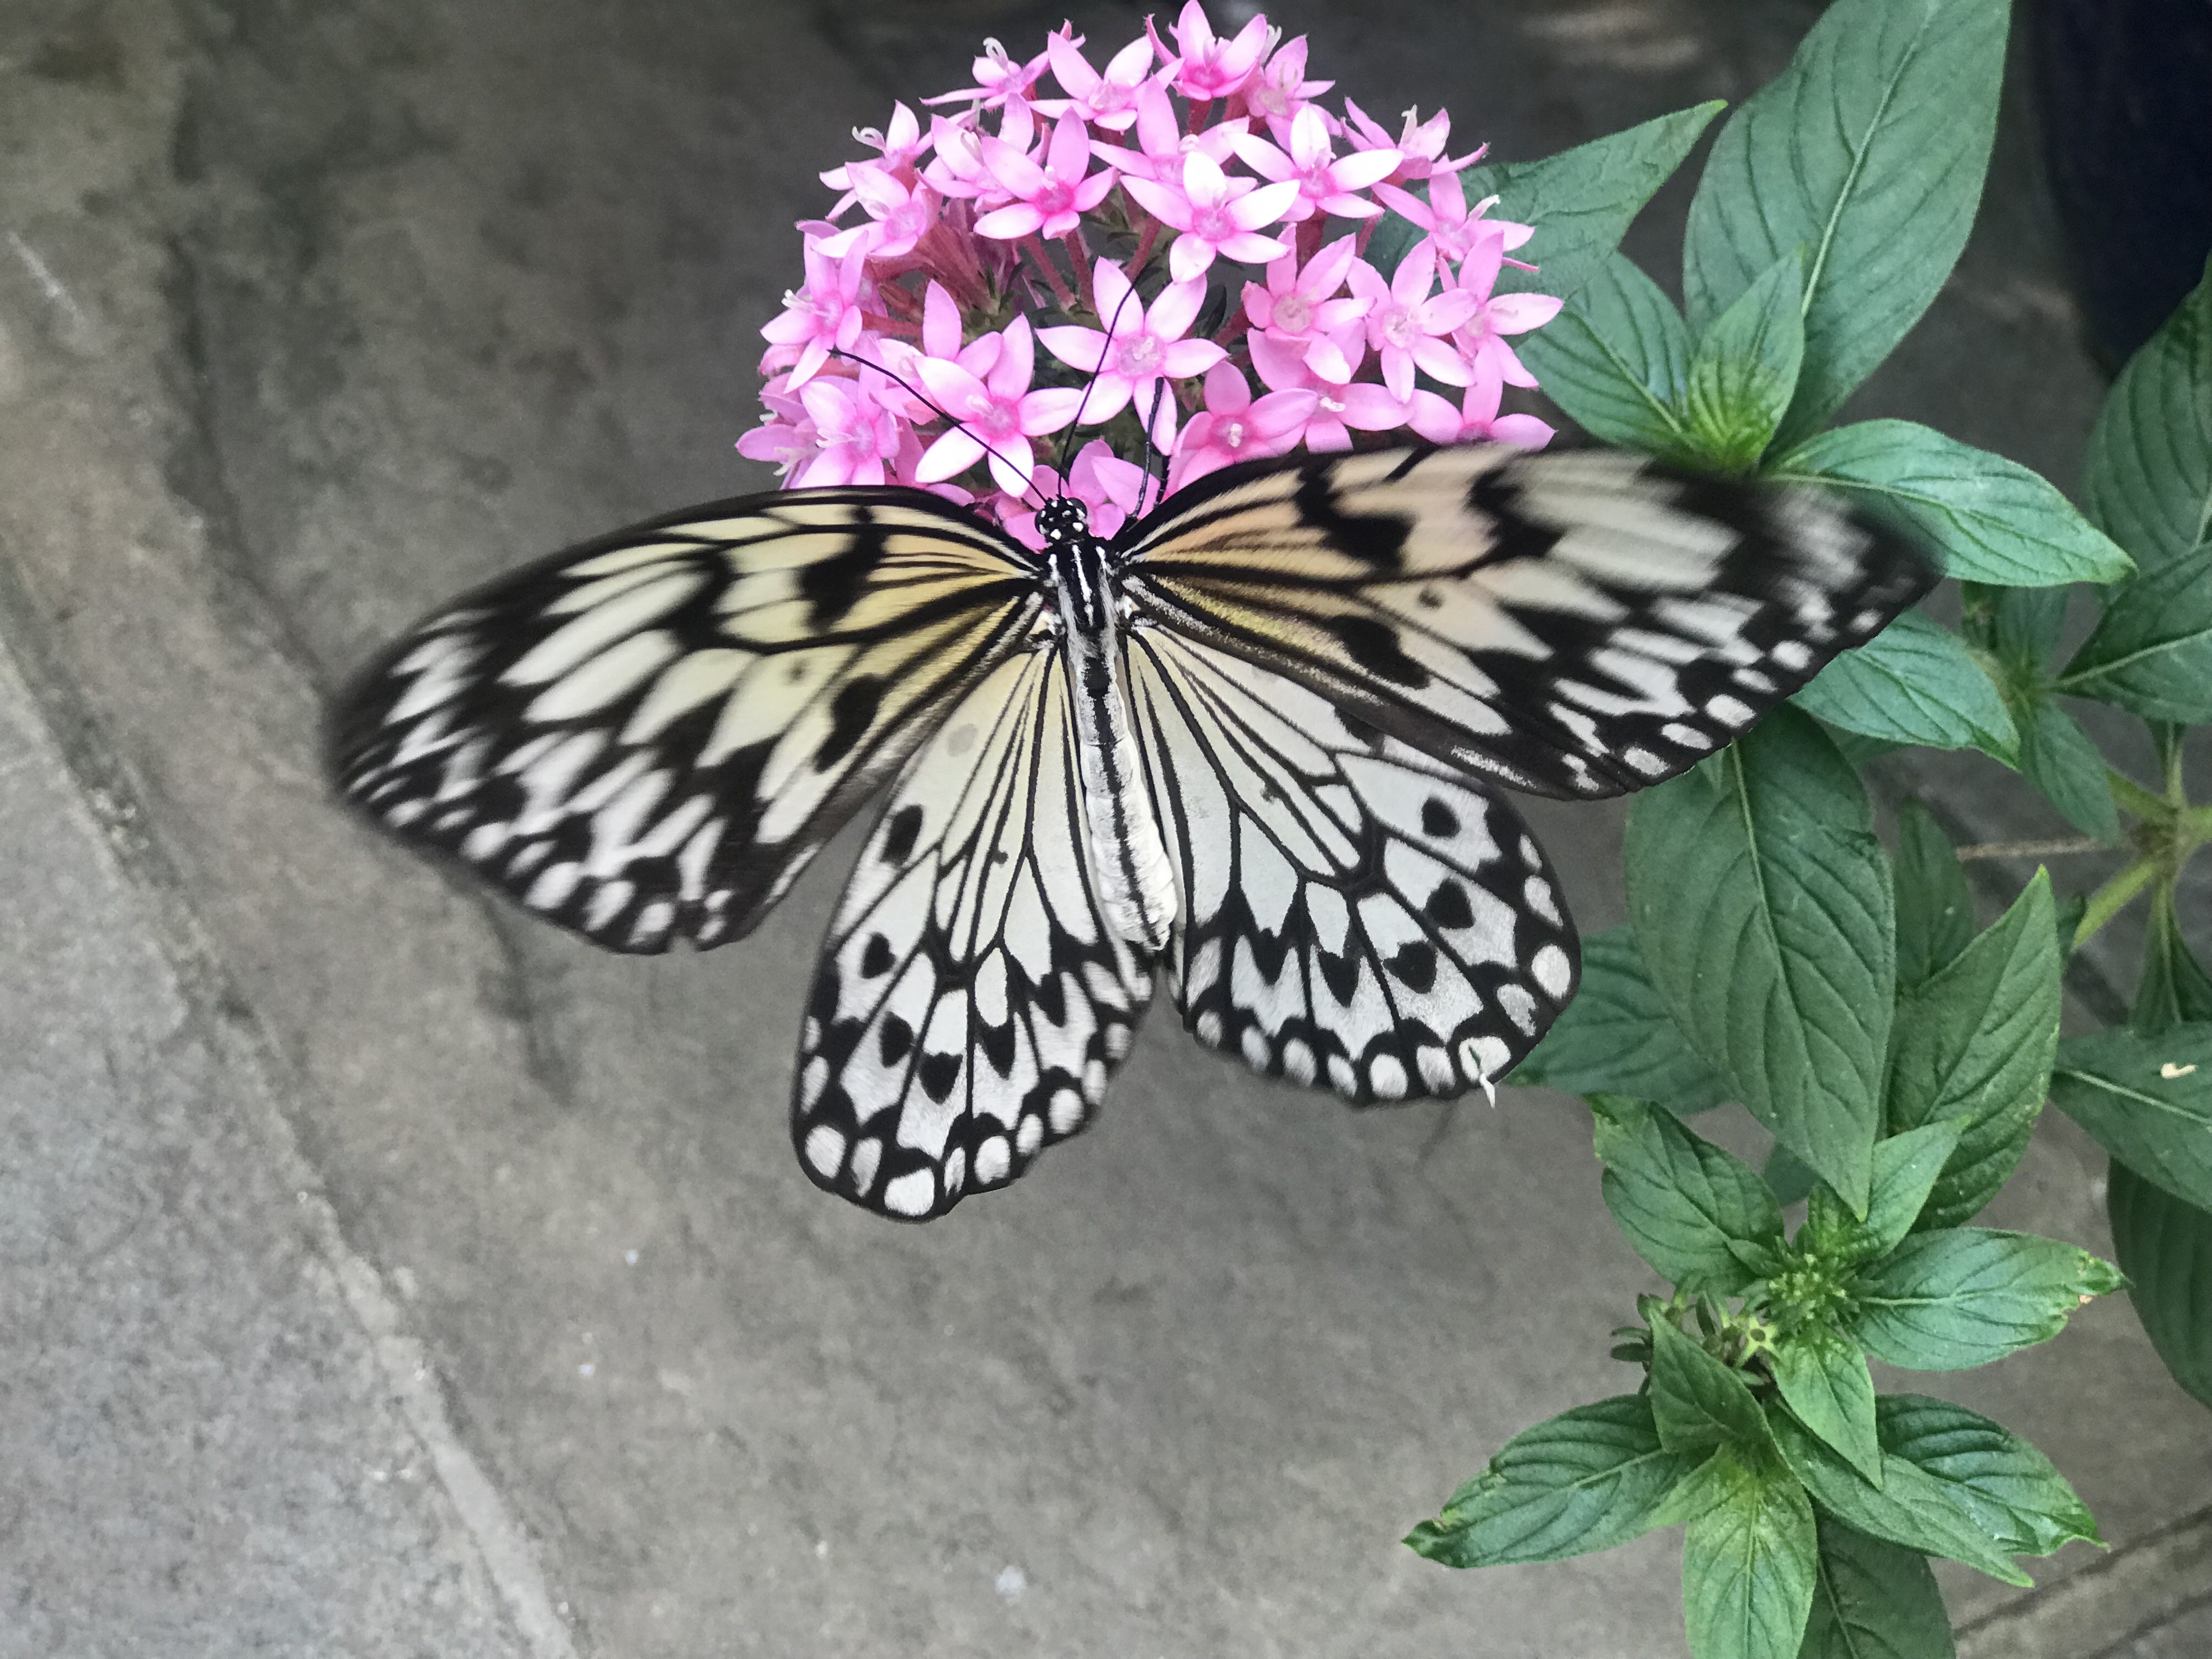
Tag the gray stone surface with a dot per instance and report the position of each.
(312, 312)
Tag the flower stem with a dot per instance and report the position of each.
(1078, 259)
(2035, 849)
(1034, 247)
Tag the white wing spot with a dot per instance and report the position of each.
(1552, 971)
(825, 1149)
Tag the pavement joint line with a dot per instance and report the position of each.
(2169, 1573)
(113, 797)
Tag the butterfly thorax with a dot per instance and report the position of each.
(1136, 882)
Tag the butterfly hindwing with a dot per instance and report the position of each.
(1572, 622)
(646, 737)
(1354, 914)
(971, 1001)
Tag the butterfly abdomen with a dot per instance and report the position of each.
(1136, 882)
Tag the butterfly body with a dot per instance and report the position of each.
(1248, 746)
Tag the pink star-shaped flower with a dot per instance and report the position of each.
(1107, 100)
(855, 433)
(1137, 350)
(1326, 182)
(1476, 418)
(903, 146)
(1406, 322)
(1210, 67)
(1049, 199)
(999, 80)
(1453, 230)
(1281, 89)
(1233, 428)
(899, 215)
(1111, 487)
(823, 315)
(996, 413)
(1300, 306)
(1163, 145)
(1217, 215)
(1339, 402)
(1420, 147)
(1480, 339)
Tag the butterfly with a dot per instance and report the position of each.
(1252, 746)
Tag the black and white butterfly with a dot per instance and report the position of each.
(1250, 745)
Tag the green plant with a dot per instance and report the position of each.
(1779, 957)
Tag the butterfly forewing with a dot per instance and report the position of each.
(1576, 623)
(971, 1001)
(646, 739)
(1354, 914)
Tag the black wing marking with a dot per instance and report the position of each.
(1353, 913)
(972, 1000)
(1575, 623)
(646, 737)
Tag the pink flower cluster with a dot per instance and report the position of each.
(1111, 213)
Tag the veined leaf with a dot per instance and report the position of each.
(2148, 480)
(1587, 1479)
(1617, 1038)
(1992, 519)
(1874, 1600)
(2057, 756)
(1762, 904)
(1977, 1042)
(1911, 1507)
(1697, 1401)
(2010, 1490)
(1935, 906)
(2147, 1099)
(1746, 367)
(2175, 988)
(1749, 1560)
(1823, 1378)
(1617, 359)
(1946, 1301)
(1915, 682)
(1689, 1208)
(1906, 1167)
(2165, 1248)
(2152, 652)
(1869, 151)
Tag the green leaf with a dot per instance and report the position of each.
(2175, 988)
(1688, 1206)
(2057, 756)
(1935, 905)
(2147, 1100)
(1869, 151)
(1992, 519)
(2024, 624)
(2149, 478)
(1823, 1376)
(1616, 1036)
(1749, 1560)
(1587, 1479)
(1911, 1507)
(1874, 1601)
(1788, 1176)
(1963, 1297)
(1580, 202)
(1906, 1167)
(1975, 1043)
(1915, 682)
(1761, 902)
(1746, 367)
(2152, 652)
(2165, 1248)
(1617, 359)
(1697, 1401)
(2010, 1490)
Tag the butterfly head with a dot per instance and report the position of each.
(1063, 519)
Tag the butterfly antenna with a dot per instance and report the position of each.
(918, 396)
(1068, 442)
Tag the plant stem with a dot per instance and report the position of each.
(2132, 797)
(2113, 897)
(2035, 849)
